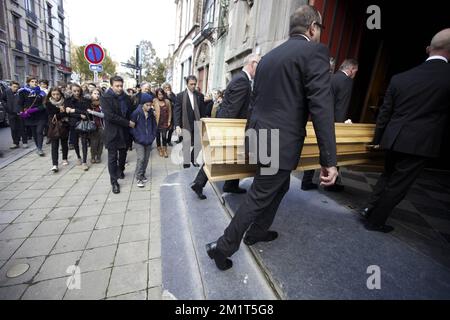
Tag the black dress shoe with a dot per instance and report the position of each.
(383, 228)
(170, 144)
(196, 165)
(116, 188)
(270, 236)
(121, 175)
(335, 188)
(235, 190)
(222, 262)
(186, 166)
(198, 191)
(309, 186)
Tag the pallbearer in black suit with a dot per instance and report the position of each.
(291, 82)
(341, 87)
(410, 127)
(188, 109)
(235, 106)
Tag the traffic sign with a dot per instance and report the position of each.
(94, 54)
(96, 67)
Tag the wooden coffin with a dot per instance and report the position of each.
(223, 146)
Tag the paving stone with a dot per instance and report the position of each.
(9, 195)
(138, 205)
(50, 228)
(154, 273)
(18, 230)
(9, 216)
(33, 215)
(12, 293)
(136, 196)
(35, 247)
(132, 252)
(47, 290)
(116, 207)
(62, 213)
(135, 296)
(18, 186)
(40, 185)
(93, 286)
(55, 266)
(8, 247)
(137, 218)
(104, 237)
(89, 211)
(97, 199)
(71, 201)
(45, 203)
(55, 192)
(18, 204)
(98, 258)
(30, 194)
(34, 263)
(135, 233)
(81, 224)
(109, 221)
(72, 242)
(3, 227)
(154, 293)
(128, 279)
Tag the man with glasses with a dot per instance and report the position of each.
(234, 106)
(292, 82)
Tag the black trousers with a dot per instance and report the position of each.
(169, 135)
(55, 149)
(116, 163)
(17, 129)
(400, 172)
(75, 137)
(257, 213)
(37, 130)
(202, 179)
(161, 138)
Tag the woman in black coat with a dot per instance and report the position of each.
(55, 108)
(76, 108)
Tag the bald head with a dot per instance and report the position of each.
(440, 44)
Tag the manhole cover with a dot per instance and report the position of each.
(18, 270)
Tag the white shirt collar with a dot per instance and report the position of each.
(305, 37)
(345, 73)
(436, 57)
(248, 75)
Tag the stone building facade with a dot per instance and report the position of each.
(34, 40)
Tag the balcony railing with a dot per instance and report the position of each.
(19, 45)
(34, 51)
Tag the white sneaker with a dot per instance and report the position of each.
(145, 180)
(140, 184)
(65, 163)
(85, 167)
(25, 146)
(55, 169)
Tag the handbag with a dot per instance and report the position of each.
(86, 126)
(56, 129)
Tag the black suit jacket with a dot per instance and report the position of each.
(237, 98)
(341, 87)
(117, 132)
(180, 117)
(416, 110)
(291, 82)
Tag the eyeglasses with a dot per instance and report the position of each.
(321, 26)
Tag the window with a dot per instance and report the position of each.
(2, 21)
(60, 5)
(208, 14)
(52, 48)
(63, 53)
(32, 36)
(16, 26)
(61, 25)
(49, 14)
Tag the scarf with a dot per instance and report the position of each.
(56, 103)
(122, 101)
(36, 91)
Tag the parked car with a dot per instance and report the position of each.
(3, 113)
